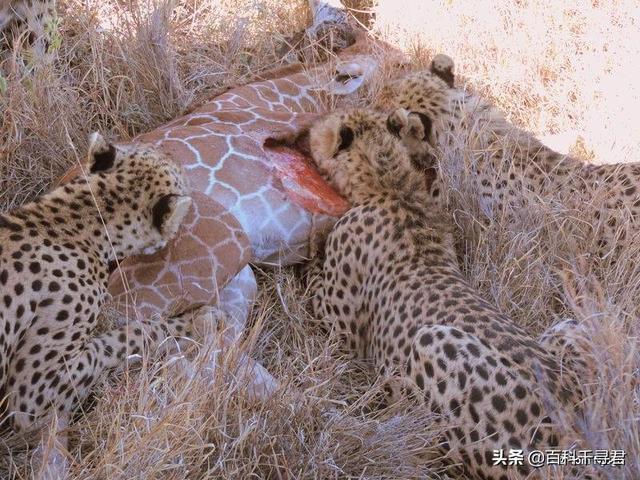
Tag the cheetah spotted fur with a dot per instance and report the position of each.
(390, 287)
(54, 263)
(506, 166)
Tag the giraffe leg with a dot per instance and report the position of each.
(236, 300)
(221, 327)
(230, 315)
(238, 296)
(49, 461)
(330, 30)
(257, 382)
(327, 14)
(325, 10)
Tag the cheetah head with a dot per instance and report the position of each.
(142, 195)
(426, 94)
(361, 153)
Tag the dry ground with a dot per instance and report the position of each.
(565, 68)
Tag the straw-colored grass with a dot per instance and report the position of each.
(565, 69)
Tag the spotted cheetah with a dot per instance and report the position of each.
(506, 166)
(26, 18)
(390, 287)
(54, 263)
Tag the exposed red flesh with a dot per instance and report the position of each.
(303, 183)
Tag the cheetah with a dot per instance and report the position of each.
(389, 286)
(506, 166)
(26, 20)
(54, 264)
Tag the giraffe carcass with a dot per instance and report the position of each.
(252, 203)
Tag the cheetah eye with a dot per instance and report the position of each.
(346, 138)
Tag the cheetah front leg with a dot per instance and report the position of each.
(336, 306)
(61, 375)
(315, 285)
(313, 272)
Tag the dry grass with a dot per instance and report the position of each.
(565, 67)
(125, 67)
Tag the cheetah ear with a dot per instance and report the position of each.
(169, 212)
(397, 121)
(102, 155)
(442, 66)
(409, 125)
(420, 126)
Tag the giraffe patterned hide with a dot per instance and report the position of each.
(277, 197)
(210, 248)
(274, 194)
(222, 152)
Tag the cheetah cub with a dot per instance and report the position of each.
(54, 264)
(391, 288)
